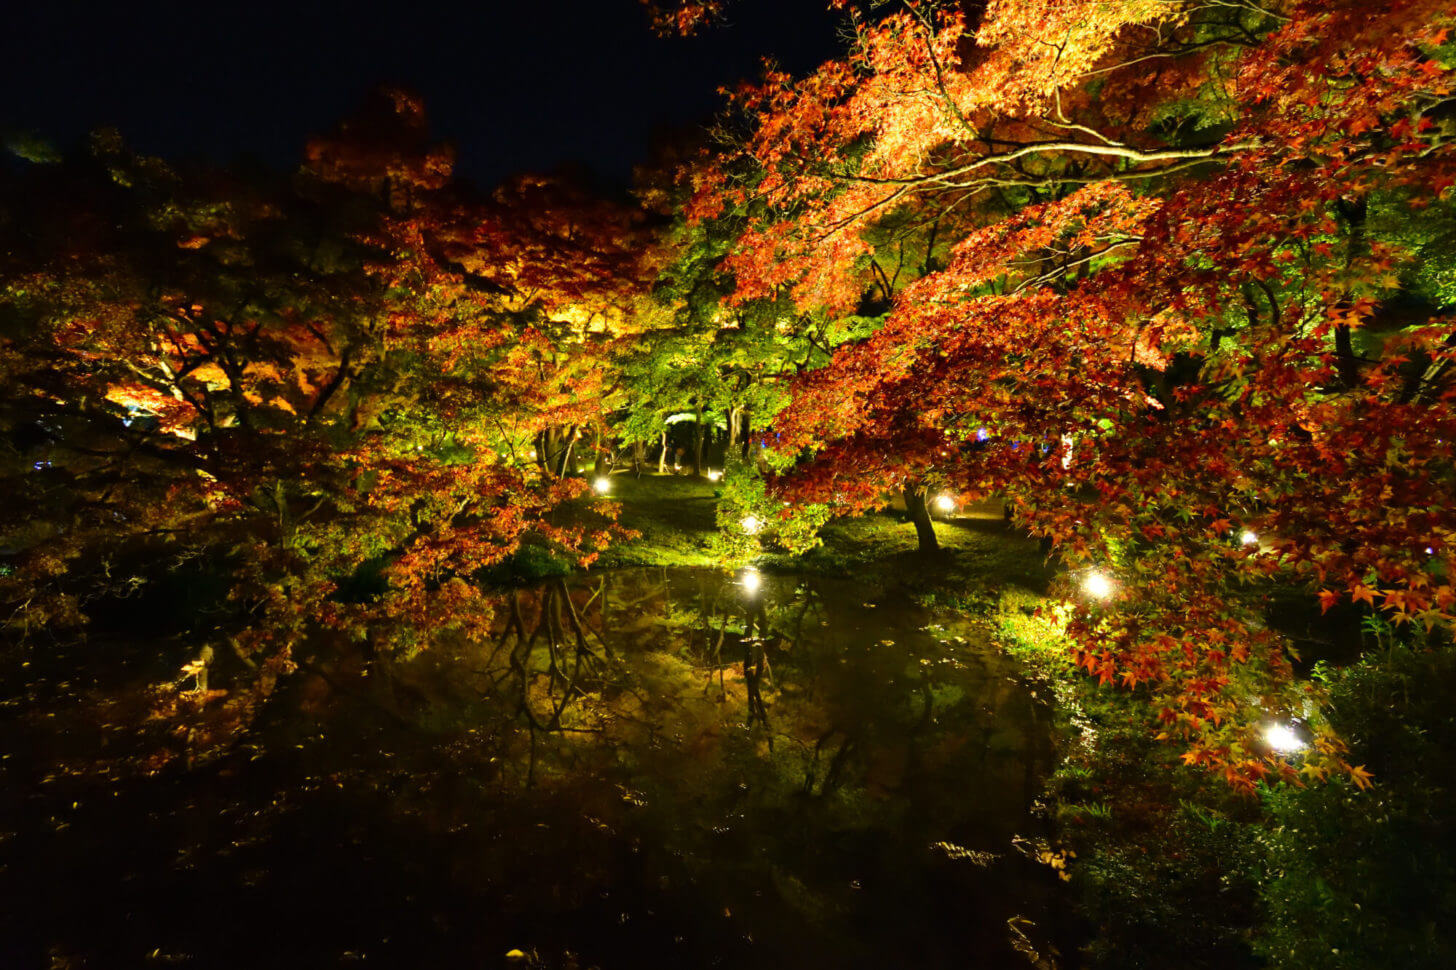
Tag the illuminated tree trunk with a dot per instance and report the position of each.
(732, 430)
(662, 455)
(599, 467)
(639, 458)
(915, 504)
(698, 443)
(565, 465)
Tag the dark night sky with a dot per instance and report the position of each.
(518, 86)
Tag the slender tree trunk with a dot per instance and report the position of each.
(662, 455)
(698, 444)
(639, 458)
(915, 504)
(746, 436)
(732, 430)
(1354, 211)
(565, 466)
(599, 467)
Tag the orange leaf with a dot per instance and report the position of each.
(1360, 777)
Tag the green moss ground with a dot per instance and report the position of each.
(674, 519)
(673, 516)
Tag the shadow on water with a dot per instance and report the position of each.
(641, 768)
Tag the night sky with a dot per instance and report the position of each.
(520, 86)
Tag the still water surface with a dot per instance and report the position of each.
(644, 768)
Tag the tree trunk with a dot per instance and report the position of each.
(732, 431)
(746, 435)
(698, 444)
(662, 455)
(915, 504)
(639, 458)
(565, 466)
(599, 467)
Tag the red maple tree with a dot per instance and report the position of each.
(1175, 292)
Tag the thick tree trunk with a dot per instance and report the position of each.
(916, 505)
(639, 458)
(698, 444)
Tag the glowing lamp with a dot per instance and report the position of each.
(945, 503)
(602, 485)
(1283, 738)
(713, 476)
(751, 524)
(1249, 539)
(1097, 585)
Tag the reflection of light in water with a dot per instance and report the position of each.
(1249, 539)
(751, 524)
(945, 503)
(602, 485)
(752, 580)
(1098, 585)
(1283, 738)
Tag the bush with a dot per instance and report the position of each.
(1368, 879)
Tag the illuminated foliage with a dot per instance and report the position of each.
(1191, 287)
(327, 384)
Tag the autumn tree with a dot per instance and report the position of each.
(324, 384)
(1188, 297)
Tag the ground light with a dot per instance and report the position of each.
(1249, 538)
(1283, 738)
(1097, 585)
(602, 485)
(751, 580)
(945, 503)
(713, 476)
(751, 524)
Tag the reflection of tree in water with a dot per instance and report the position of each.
(643, 658)
(572, 666)
(622, 744)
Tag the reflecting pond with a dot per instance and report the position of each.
(641, 768)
